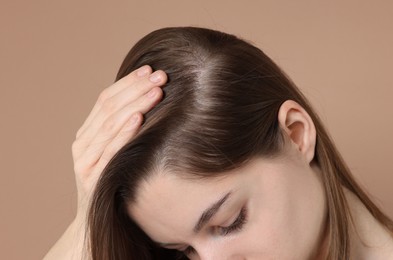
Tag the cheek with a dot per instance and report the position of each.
(274, 228)
(286, 218)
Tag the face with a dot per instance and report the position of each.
(267, 209)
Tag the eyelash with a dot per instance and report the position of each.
(189, 250)
(237, 225)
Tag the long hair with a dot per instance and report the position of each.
(219, 110)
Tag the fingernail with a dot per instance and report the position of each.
(131, 123)
(133, 120)
(155, 77)
(142, 71)
(151, 93)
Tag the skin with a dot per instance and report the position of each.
(110, 125)
(285, 211)
(114, 120)
(285, 201)
(370, 240)
(286, 208)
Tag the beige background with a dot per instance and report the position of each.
(57, 56)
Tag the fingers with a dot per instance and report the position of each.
(132, 95)
(115, 88)
(124, 120)
(104, 146)
(105, 107)
(128, 131)
(128, 80)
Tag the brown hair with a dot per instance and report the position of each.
(219, 111)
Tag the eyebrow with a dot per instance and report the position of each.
(205, 217)
(210, 212)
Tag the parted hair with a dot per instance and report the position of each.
(219, 111)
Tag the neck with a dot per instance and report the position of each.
(369, 238)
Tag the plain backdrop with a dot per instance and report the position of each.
(57, 56)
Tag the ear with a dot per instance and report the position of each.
(298, 125)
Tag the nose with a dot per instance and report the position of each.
(214, 254)
(210, 257)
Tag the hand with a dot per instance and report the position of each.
(113, 121)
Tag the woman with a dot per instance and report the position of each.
(231, 162)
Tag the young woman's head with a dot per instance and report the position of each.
(233, 163)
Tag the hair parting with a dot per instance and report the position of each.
(219, 111)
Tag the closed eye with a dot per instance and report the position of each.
(188, 251)
(237, 224)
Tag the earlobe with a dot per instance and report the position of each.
(299, 127)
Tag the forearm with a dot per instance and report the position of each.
(70, 245)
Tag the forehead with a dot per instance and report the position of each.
(167, 207)
(168, 204)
